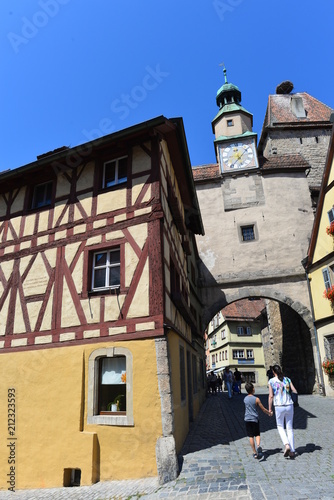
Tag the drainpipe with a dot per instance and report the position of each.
(322, 382)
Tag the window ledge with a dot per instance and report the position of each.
(109, 418)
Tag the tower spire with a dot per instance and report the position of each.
(224, 70)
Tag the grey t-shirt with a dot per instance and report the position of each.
(251, 414)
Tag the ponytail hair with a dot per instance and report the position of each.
(278, 371)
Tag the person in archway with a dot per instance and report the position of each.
(270, 373)
(237, 378)
(280, 388)
(228, 379)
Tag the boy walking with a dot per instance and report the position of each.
(252, 420)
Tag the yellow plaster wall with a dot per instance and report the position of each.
(140, 304)
(181, 413)
(131, 260)
(137, 185)
(18, 203)
(325, 242)
(322, 332)
(52, 434)
(141, 162)
(86, 178)
(113, 200)
(322, 306)
(139, 233)
(331, 174)
(63, 185)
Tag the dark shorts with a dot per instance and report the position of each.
(252, 429)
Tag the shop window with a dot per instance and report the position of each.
(110, 398)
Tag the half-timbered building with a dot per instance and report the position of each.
(102, 361)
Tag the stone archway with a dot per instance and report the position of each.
(295, 341)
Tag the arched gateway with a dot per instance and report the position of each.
(257, 203)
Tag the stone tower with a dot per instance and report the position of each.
(258, 216)
(301, 123)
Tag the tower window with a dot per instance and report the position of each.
(230, 123)
(247, 233)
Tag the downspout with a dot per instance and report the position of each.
(322, 382)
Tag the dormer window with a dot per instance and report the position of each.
(115, 172)
(297, 107)
(229, 123)
(42, 195)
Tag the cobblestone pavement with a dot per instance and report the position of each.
(216, 460)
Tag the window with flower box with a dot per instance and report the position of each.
(331, 215)
(327, 278)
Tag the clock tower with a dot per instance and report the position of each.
(235, 142)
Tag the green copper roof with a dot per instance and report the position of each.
(231, 108)
(227, 87)
(232, 137)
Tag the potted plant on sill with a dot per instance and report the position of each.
(328, 366)
(330, 229)
(329, 293)
(116, 404)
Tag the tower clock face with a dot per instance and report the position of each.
(237, 155)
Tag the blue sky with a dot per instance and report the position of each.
(77, 69)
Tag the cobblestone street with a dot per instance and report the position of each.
(216, 460)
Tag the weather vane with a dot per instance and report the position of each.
(222, 64)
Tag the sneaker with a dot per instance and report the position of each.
(259, 450)
(255, 455)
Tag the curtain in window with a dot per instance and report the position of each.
(113, 371)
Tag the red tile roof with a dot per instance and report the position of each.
(243, 309)
(208, 171)
(279, 110)
(276, 162)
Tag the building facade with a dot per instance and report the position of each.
(102, 360)
(235, 340)
(320, 270)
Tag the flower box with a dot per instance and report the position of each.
(329, 293)
(330, 229)
(328, 366)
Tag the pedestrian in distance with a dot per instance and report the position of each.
(213, 382)
(237, 378)
(280, 389)
(228, 379)
(252, 424)
(220, 383)
(270, 373)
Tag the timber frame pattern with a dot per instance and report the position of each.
(45, 271)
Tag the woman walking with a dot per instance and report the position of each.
(280, 388)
